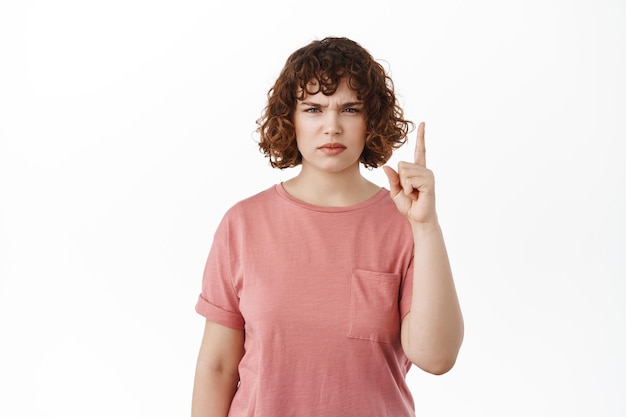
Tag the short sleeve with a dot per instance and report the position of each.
(406, 291)
(219, 299)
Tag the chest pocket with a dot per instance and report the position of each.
(374, 307)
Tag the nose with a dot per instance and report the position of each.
(333, 127)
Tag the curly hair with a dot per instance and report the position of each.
(324, 64)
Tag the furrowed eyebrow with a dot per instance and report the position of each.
(343, 105)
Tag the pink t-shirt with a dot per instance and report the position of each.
(320, 293)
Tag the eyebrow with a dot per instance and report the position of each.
(348, 104)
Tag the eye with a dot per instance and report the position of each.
(351, 110)
(311, 110)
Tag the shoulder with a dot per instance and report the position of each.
(385, 198)
(252, 205)
(235, 219)
(385, 204)
(385, 212)
(256, 201)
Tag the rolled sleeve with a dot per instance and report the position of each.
(219, 315)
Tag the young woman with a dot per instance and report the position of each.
(320, 292)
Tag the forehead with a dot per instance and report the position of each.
(313, 90)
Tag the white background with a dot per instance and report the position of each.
(126, 131)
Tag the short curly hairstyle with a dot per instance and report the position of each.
(325, 63)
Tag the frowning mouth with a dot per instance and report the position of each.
(332, 148)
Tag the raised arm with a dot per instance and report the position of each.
(217, 373)
(432, 332)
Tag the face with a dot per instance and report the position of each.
(330, 130)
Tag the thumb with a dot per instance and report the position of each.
(394, 180)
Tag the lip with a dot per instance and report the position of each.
(332, 149)
(333, 145)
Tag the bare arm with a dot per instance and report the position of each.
(432, 332)
(217, 373)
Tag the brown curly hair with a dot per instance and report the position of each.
(325, 63)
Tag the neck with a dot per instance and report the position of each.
(332, 189)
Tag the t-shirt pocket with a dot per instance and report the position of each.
(374, 310)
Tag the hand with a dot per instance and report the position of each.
(412, 188)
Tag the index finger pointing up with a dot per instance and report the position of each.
(420, 147)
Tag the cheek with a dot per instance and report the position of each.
(360, 130)
(302, 134)
(299, 135)
(358, 124)
(305, 129)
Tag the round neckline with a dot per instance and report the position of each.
(280, 189)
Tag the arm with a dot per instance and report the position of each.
(432, 332)
(217, 373)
